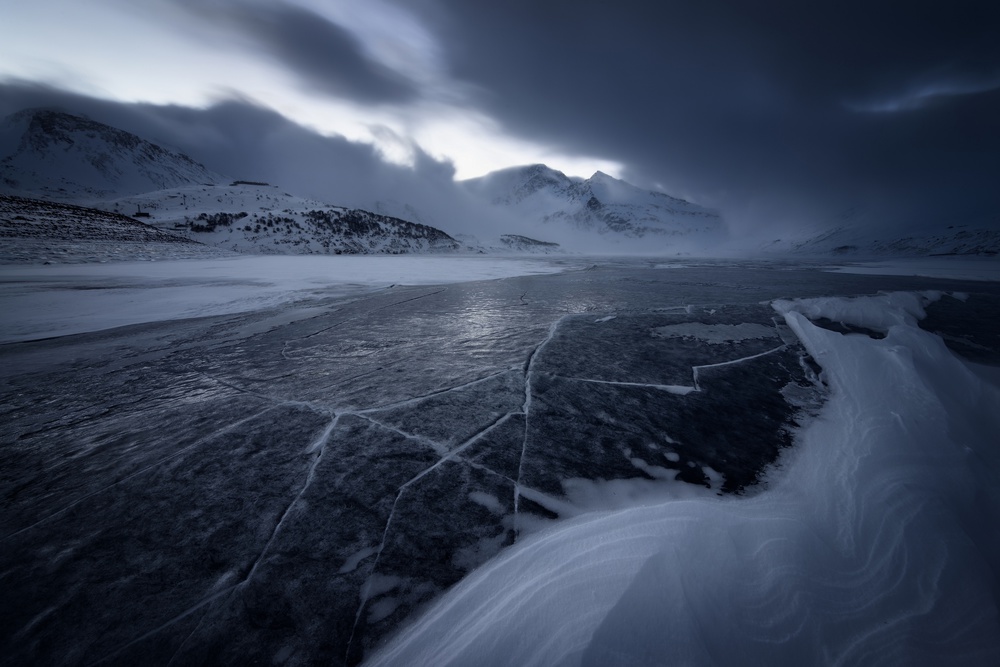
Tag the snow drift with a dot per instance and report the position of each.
(874, 544)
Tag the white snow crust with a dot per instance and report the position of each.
(41, 301)
(875, 542)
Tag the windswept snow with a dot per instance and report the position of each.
(875, 545)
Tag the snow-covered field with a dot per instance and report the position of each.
(58, 300)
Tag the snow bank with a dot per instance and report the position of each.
(57, 300)
(875, 544)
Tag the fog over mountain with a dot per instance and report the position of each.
(781, 114)
(789, 119)
(61, 155)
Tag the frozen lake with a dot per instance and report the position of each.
(289, 467)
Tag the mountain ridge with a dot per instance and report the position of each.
(601, 205)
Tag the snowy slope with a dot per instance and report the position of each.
(600, 205)
(258, 218)
(61, 156)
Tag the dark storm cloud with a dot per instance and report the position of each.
(772, 110)
(243, 140)
(324, 55)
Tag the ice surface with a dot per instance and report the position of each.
(876, 545)
(958, 268)
(57, 300)
(715, 333)
(293, 483)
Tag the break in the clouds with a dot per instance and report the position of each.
(782, 114)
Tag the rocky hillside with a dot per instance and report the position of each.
(23, 218)
(33, 230)
(258, 218)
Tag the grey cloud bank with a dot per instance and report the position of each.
(787, 117)
(762, 109)
(244, 140)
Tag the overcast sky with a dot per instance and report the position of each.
(781, 114)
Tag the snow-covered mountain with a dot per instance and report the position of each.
(600, 205)
(57, 155)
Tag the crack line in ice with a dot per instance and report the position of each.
(526, 409)
(318, 447)
(84, 418)
(417, 399)
(318, 444)
(285, 354)
(230, 385)
(396, 303)
(179, 617)
(482, 468)
(392, 511)
(433, 444)
(678, 389)
(695, 369)
(194, 444)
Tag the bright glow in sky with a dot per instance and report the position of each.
(194, 54)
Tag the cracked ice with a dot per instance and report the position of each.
(295, 487)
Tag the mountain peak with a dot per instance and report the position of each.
(605, 206)
(67, 156)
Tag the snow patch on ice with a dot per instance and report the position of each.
(351, 564)
(490, 502)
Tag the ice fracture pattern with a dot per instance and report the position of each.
(293, 489)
